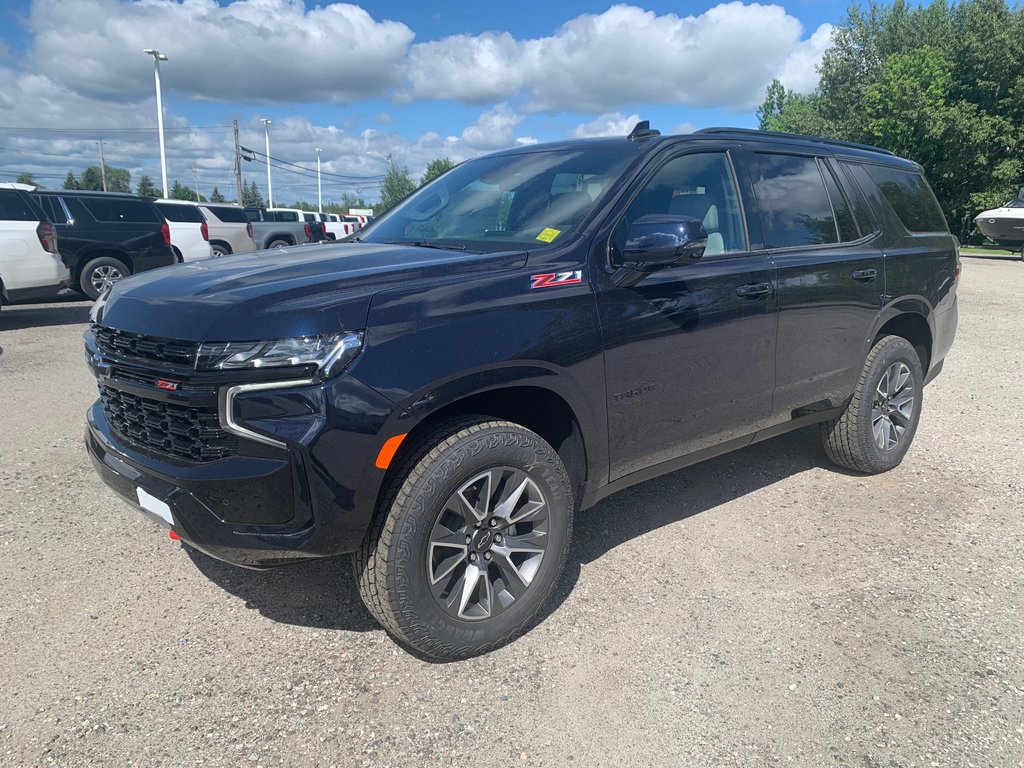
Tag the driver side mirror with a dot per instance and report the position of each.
(658, 239)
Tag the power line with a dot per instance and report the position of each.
(310, 170)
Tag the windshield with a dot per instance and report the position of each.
(505, 202)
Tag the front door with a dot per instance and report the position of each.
(689, 349)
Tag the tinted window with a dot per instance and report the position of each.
(283, 215)
(187, 213)
(841, 208)
(15, 206)
(860, 205)
(701, 186)
(794, 207)
(228, 214)
(53, 209)
(121, 210)
(77, 210)
(910, 197)
(309, 217)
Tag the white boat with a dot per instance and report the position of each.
(1004, 225)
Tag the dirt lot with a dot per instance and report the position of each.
(757, 610)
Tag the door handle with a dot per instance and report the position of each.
(865, 275)
(754, 290)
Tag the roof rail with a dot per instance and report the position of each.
(799, 136)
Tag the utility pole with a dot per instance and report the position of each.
(238, 163)
(319, 196)
(195, 178)
(103, 167)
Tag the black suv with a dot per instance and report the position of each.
(105, 236)
(520, 338)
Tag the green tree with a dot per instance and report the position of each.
(146, 188)
(396, 185)
(942, 84)
(180, 192)
(216, 196)
(435, 168)
(118, 179)
(26, 178)
(70, 182)
(251, 197)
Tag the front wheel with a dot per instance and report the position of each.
(99, 274)
(469, 539)
(876, 429)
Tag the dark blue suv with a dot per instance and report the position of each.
(525, 335)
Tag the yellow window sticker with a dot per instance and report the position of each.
(548, 235)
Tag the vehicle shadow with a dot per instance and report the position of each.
(63, 310)
(323, 593)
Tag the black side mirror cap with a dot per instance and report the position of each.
(659, 239)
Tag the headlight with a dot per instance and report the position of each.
(330, 354)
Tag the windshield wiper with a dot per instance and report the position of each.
(427, 244)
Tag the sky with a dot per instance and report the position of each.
(411, 80)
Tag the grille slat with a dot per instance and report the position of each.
(185, 432)
(137, 346)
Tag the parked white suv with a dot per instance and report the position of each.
(190, 235)
(30, 264)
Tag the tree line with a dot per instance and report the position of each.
(397, 184)
(941, 84)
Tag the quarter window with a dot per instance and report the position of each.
(120, 210)
(910, 197)
(794, 206)
(14, 207)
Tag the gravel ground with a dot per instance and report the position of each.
(761, 609)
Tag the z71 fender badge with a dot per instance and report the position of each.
(553, 279)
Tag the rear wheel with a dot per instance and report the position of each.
(99, 274)
(876, 429)
(469, 540)
(220, 250)
(278, 244)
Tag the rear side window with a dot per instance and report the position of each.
(860, 204)
(309, 217)
(910, 197)
(230, 215)
(14, 206)
(183, 213)
(121, 210)
(841, 208)
(53, 209)
(283, 215)
(795, 208)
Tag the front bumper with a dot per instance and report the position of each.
(312, 496)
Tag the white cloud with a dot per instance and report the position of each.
(800, 72)
(251, 51)
(608, 124)
(722, 58)
(384, 118)
(494, 129)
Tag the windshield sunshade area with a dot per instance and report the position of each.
(505, 202)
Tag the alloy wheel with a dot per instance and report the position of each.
(487, 544)
(893, 408)
(104, 276)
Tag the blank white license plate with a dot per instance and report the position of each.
(153, 504)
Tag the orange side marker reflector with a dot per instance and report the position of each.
(174, 536)
(388, 451)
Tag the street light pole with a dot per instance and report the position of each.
(157, 58)
(270, 188)
(319, 196)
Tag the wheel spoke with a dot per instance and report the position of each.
(446, 552)
(532, 542)
(478, 502)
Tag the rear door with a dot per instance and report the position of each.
(24, 263)
(824, 246)
(689, 349)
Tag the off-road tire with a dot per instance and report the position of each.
(391, 567)
(850, 440)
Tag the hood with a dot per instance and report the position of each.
(298, 291)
